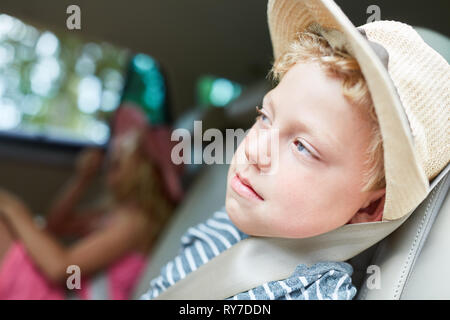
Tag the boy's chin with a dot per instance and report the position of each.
(239, 216)
(235, 212)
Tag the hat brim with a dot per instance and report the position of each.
(406, 183)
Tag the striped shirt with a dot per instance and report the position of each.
(321, 281)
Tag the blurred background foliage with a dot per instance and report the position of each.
(57, 85)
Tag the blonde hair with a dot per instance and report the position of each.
(309, 47)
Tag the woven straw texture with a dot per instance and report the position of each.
(422, 79)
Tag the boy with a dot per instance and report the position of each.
(349, 149)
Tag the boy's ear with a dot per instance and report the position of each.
(373, 208)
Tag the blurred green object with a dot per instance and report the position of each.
(146, 86)
(217, 92)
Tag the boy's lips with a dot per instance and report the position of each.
(243, 187)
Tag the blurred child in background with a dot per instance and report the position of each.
(114, 239)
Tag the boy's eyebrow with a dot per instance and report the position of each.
(330, 146)
(268, 100)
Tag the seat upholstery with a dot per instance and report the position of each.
(412, 265)
(428, 279)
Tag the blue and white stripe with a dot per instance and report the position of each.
(321, 281)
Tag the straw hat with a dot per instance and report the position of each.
(409, 85)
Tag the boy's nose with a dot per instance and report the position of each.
(258, 149)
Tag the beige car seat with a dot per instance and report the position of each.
(411, 261)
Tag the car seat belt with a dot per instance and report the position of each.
(257, 260)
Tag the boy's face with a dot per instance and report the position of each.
(310, 182)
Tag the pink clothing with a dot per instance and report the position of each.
(20, 279)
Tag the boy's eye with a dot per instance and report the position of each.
(261, 115)
(301, 148)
